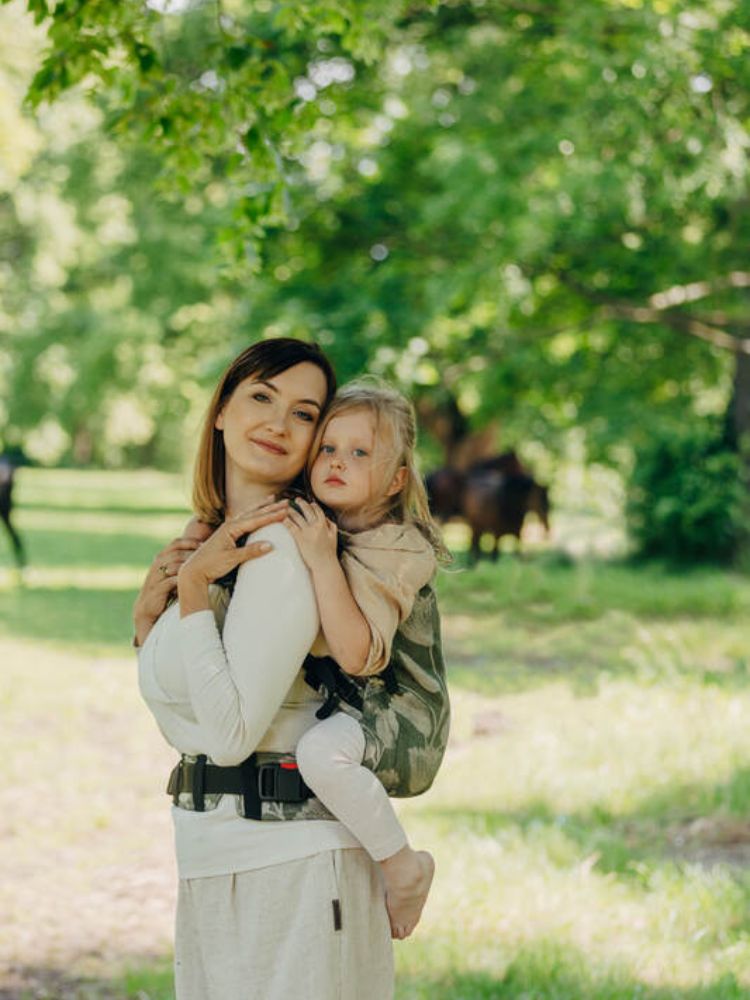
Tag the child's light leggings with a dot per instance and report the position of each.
(329, 757)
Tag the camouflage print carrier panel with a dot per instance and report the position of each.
(406, 733)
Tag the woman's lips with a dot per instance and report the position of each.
(275, 449)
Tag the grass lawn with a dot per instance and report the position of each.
(590, 824)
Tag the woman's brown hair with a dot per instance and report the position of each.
(263, 360)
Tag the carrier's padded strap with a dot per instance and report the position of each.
(328, 707)
(251, 803)
(199, 783)
(389, 678)
(320, 673)
(323, 674)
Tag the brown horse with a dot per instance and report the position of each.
(444, 491)
(493, 496)
(497, 504)
(445, 486)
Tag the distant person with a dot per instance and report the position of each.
(7, 472)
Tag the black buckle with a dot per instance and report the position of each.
(281, 782)
(199, 783)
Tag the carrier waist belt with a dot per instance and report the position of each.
(271, 781)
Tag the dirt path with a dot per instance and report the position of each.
(87, 878)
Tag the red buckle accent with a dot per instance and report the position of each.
(288, 765)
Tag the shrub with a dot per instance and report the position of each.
(685, 496)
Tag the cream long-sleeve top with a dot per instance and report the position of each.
(229, 693)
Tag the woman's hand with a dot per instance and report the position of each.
(220, 554)
(160, 582)
(315, 535)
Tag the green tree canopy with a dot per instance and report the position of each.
(531, 210)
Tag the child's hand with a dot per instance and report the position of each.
(314, 534)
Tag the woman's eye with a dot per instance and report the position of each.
(305, 415)
(261, 397)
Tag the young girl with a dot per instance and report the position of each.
(362, 470)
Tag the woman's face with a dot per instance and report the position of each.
(269, 424)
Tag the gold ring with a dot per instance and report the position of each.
(164, 570)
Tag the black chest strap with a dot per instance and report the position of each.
(323, 674)
(389, 678)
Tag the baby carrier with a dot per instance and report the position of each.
(404, 713)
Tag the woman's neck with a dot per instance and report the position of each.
(244, 494)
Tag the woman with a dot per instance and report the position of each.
(265, 909)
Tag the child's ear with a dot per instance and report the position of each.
(397, 483)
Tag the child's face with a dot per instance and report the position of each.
(344, 474)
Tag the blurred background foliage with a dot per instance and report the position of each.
(533, 215)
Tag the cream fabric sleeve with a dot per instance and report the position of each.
(385, 568)
(238, 685)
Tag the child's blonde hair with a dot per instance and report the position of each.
(395, 441)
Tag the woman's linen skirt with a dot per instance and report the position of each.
(311, 929)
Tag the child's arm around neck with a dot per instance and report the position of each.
(345, 628)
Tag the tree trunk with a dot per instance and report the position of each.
(741, 404)
(440, 415)
(740, 425)
(83, 446)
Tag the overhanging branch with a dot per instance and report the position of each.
(663, 308)
(678, 321)
(678, 295)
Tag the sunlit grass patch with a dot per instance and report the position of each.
(132, 490)
(552, 970)
(89, 538)
(550, 589)
(518, 624)
(589, 824)
(151, 982)
(497, 654)
(88, 618)
(503, 904)
(627, 754)
(86, 879)
(561, 867)
(111, 577)
(71, 528)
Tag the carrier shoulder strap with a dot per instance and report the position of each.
(323, 674)
(389, 678)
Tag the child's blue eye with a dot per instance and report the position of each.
(360, 453)
(326, 449)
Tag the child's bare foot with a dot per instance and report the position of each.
(408, 877)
